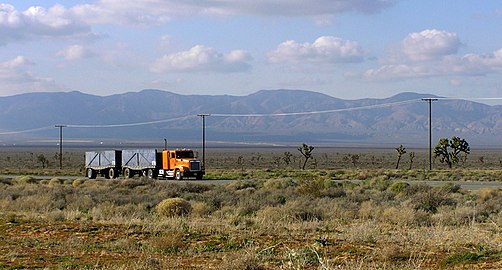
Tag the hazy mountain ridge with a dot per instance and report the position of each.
(398, 123)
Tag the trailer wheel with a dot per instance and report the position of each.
(150, 174)
(111, 173)
(91, 174)
(127, 173)
(177, 175)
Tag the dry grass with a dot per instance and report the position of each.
(282, 223)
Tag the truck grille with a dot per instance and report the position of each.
(195, 165)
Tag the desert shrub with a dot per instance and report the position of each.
(405, 216)
(486, 194)
(333, 192)
(369, 210)
(4, 181)
(173, 207)
(25, 180)
(454, 216)
(399, 187)
(313, 186)
(244, 184)
(201, 209)
(304, 209)
(281, 183)
(450, 188)
(77, 182)
(430, 200)
(380, 183)
(55, 181)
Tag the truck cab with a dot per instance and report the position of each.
(180, 163)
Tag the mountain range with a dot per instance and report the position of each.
(284, 117)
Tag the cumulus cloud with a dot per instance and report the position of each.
(58, 20)
(466, 65)
(324, 50)
(430, 44)
(431, 53)
(201, 58)
(75, 52)
(16, 77)
(38, 22)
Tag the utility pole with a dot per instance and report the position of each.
(430, 100)
(203, 137)
(60, 145)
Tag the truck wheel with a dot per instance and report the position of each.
(150, 174)
(91, 174)
(199, 176)
(111, 174)
(177, 175)
(127, 173)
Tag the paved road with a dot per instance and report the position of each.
(464, 184)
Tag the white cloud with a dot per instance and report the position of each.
(434, 53)
(324, 50)
(16, 77)
(148, 12)
(75, 52)
(466, 65)
(38, 22)
(201, 58)
(430, 44)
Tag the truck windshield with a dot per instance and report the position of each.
(185, 154)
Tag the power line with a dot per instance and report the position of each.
(26, 131)
(131, 124)
(367, 107)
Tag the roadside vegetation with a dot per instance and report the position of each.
(307, 222)
(274, 215)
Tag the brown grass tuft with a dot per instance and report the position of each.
(173, 207)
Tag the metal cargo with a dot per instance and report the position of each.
(139, 158)
(103, 159)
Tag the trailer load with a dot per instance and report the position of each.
(150, 163)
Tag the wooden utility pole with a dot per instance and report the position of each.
(430, 100)
(60, 145)
(203, 137)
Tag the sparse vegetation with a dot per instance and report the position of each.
(270, 217)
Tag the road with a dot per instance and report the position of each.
(463, 184)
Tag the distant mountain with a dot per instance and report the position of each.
(155, 114)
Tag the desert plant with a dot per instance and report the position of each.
(412, 156)
(449, 151)
(400, 152)
(173, 207)
(42, 159)
(287, 158)
(306, 151)
(354, 159)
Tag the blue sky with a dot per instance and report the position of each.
(347, 49)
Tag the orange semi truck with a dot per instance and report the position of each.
(165, 164)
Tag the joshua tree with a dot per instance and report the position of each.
(42, 159)
(412, 156)
(449, 151)
(287, 158)
(306, 152)
(400, 152)
(354, 159)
